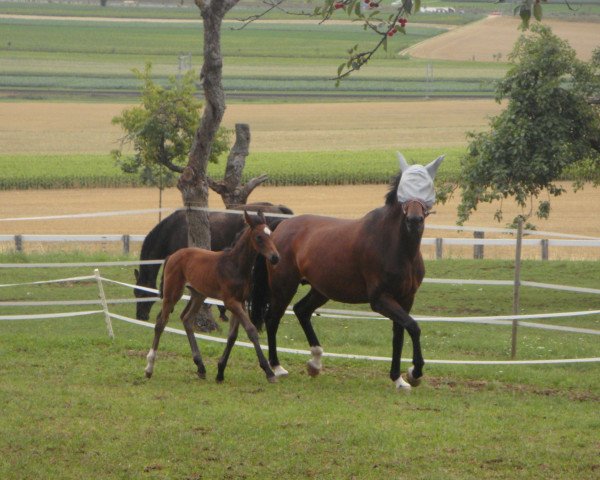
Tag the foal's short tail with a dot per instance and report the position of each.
(162, 277)
(260, 294)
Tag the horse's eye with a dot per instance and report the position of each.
(259, 239)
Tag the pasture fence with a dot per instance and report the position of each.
(545, 242)
(104, 303)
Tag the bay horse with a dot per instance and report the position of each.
(171, 234)
(224, 275)
(374, 260)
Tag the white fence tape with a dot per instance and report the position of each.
(498, 320)
(45, 316)
(366, 357)
(156, 210)
(583, 243)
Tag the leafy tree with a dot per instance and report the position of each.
(161, 130)
(550, 127)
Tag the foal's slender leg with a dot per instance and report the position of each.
(161, 322)
(253, 336)
(240, 316)
(234, 325)
(304, 310)
(187, 317)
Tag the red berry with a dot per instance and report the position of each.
(338, 5)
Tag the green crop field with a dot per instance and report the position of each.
(76, 404)
(21, 172)
(57, 58)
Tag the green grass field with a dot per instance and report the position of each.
(76, 404)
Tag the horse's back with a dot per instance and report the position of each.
(325, 252)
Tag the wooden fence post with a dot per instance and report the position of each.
(544, 244)
(439, 243)
(19, 243)
(516, 290)
(126, 240)
(478, 249)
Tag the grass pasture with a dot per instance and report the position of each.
(77, 405)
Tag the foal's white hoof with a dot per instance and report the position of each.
(402, 385)
(279, 371)
(415, 382)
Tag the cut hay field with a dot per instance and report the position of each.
(573, 213)
(70, 128)
(483, 40)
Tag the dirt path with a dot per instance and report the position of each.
(572, 213)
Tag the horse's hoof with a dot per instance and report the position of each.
(402, 385)
(219, 379)
(272, 379)
(415, 382)
(202, 375)
(148, 374)
(311, 369)
(279, 371)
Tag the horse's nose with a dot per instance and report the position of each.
(415, 223)
(415, 219)
(274, 259)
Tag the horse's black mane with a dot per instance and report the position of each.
(391, 197)
(160, 229)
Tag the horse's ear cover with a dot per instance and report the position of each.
(416, 182)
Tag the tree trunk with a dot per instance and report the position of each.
(193, 182)
(231, 189)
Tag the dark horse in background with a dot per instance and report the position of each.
(374, 260)
(171, 234)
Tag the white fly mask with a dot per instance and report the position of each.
(416, 182)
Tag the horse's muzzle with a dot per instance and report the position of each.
(415, 223)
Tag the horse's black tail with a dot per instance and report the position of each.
(260, 294)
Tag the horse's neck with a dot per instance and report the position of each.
(242, 254)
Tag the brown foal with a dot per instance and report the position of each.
(222, 275)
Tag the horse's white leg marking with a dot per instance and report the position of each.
(151, 357)
(314, 364)
(402, 384)
(279, 371)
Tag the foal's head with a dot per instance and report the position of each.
(260, 237)
(414, 190)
